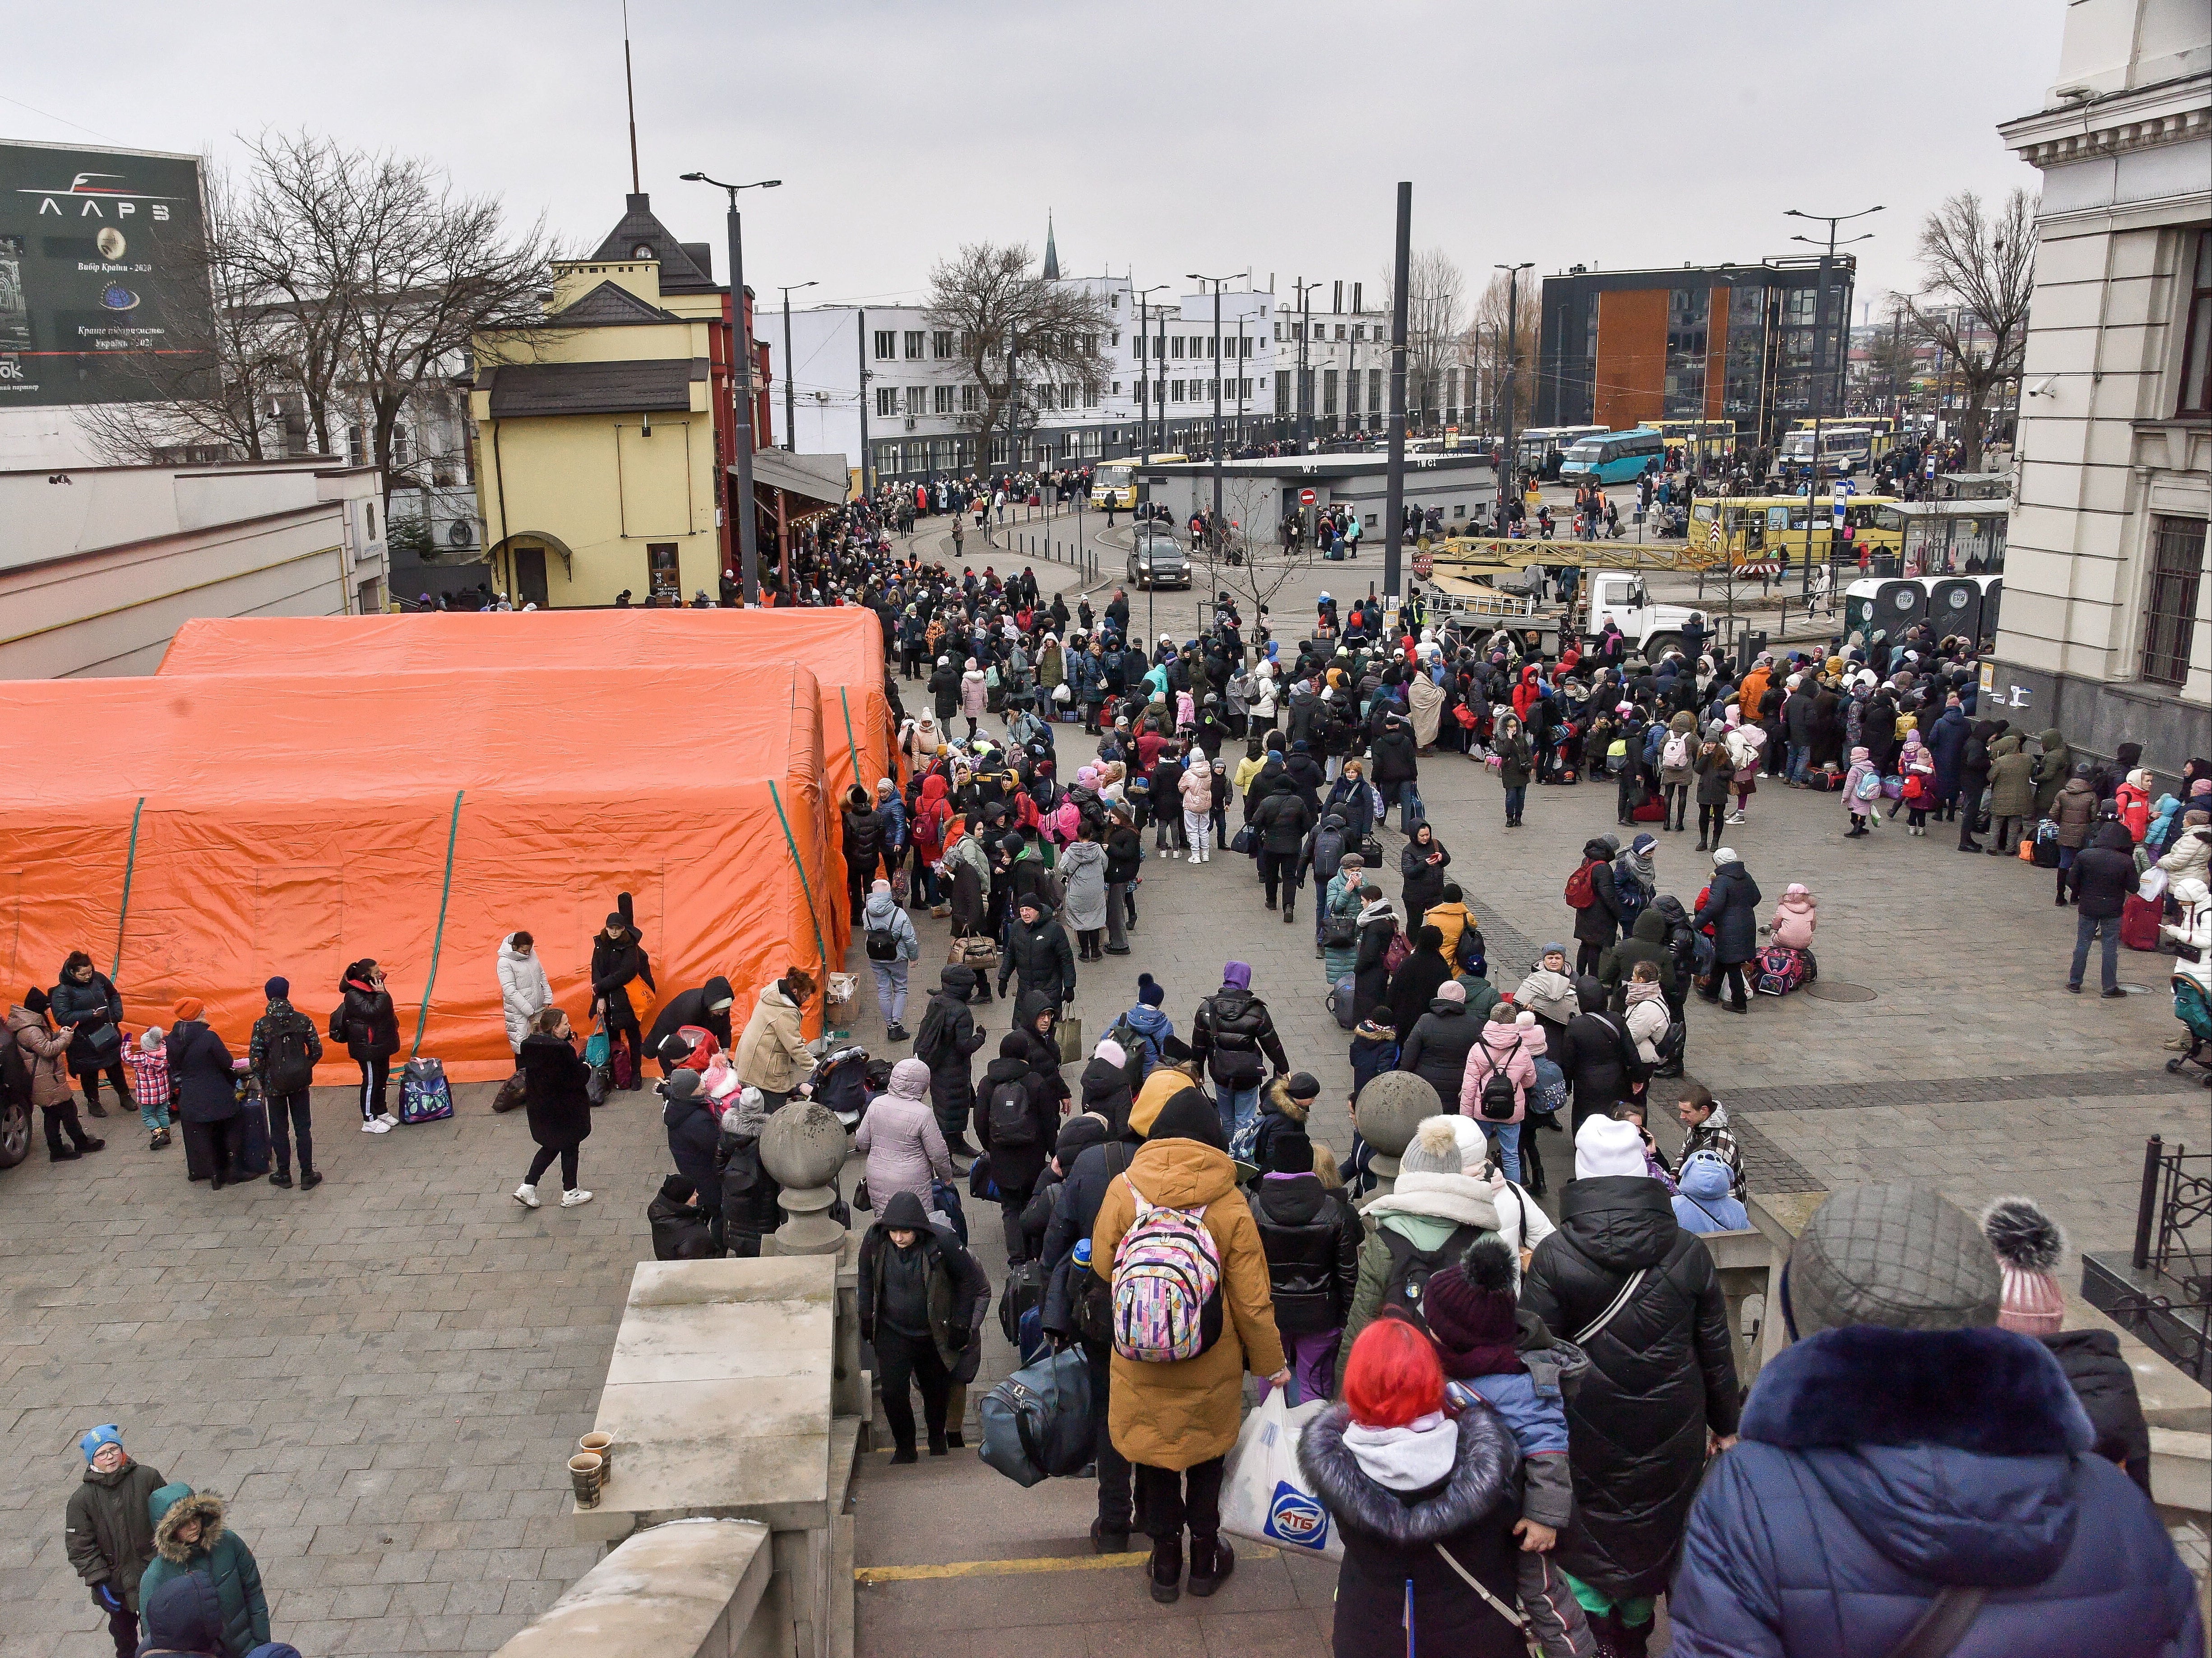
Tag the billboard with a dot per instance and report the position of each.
(101, 297)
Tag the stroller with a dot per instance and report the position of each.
(841, 1083)
(2195, 1013)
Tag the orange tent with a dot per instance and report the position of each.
(842, 645)
(200, 834)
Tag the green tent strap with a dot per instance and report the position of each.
(854, 747)
(805, 888)
(129, 868)
(452, 833)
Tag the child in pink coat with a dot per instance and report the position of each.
(1509, 1043)
(1795, 918)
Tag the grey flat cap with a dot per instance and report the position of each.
(1904, 1256)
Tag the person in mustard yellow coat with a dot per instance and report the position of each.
(1175, 1421)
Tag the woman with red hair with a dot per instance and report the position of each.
(1425, 1502)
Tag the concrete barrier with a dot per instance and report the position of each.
(694, 1588)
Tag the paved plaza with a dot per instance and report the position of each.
(383, 1375)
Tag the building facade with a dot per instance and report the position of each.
(1764, 345)
(100, 565)
(604, 436)
(2106, 627)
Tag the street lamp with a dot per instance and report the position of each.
(790, 384)
(742, 427)
(1816, 392)
(1512, 355)
(1217, 281)
(1148, 365)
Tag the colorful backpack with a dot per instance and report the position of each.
(1167, 1285)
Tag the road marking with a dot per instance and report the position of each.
(867, 1575)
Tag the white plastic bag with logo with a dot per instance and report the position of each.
(1264, 1495)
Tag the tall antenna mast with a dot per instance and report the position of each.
(630, 92)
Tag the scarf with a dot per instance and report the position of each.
(1412, 1458)
(1463, 1199)
(1376, 911)
(1639, 866)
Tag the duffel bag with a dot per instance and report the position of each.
(1036, 1424)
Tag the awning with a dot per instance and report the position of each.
(818, 478)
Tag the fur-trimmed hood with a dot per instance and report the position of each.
(173, 1505)
(1279, 1101)
(1483, 1476)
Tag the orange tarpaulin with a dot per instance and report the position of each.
(842, 645)
(289, 824)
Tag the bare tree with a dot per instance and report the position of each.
(1892, 356)
(1247, 559)
(1485, 345)
(992, 304)
(1981, 274)
(1435, 297)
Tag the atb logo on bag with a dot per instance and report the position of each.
(1295, 1519)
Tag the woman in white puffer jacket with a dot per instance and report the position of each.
(524, 990)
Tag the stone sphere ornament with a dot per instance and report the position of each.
(804, 1148)
(1390, 1110)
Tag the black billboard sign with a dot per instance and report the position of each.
(102, 296)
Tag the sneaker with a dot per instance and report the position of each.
(527, 1195)
(154, 1141)
(310, 1179)
(280, 1177)
(571, 1199)
(371, 1127)
(1736, 817)
(390, 1121)
(1193, 857)
(897, 1033)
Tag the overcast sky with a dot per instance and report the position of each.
(1168, 137)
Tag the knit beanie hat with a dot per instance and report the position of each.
(107, 1434)
(682, 1085)
(277, 989)
(1434, 1150)
(2029, 1246)
(1470, 1312)
(1149, 992)
(1451, 990)
(1606, 1146)
(1290, 1152)
(1189, 1115)
(1901, 1255)
(1302, 1085)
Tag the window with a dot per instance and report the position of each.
(1282, 394)
(1044, 395)
(1244, 390)
(2176, 547)
(941, 398)
(886, 401)
(1090, 393)
(1117, 388)
(1175, 390)
(1177, 344)
(940, 342)
(914, 344)
(1141, 344)
(1297, 330)
(886, 344)
(971, 398)
(1328, 390)
(1687, 311)
(1279, 334)
(917, 400)
(1352, 394)
(1340, 331)
(1114, 338)
(353, 445)
(1373, 388)
(2196, 355)
(1359, 330)
(1112, 301)
(1213, 346)
(663, 578)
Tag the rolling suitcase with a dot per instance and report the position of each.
(252, 1141)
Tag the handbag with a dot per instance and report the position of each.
(1069, 1032)
(1339, 931)
(860, 1198)
(1245, 841)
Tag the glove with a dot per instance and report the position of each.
(959, 1335)
(105, 1597)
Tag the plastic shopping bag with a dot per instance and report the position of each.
(1263, 1494)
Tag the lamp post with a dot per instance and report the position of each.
(1512, 352)
(1148, 366)
(1815, 390)
(1217, 281)
(1394, 486)
(790, 391)
(742, 426)
(1304, 291)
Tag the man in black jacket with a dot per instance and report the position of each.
(2104, 878)
(1038, 953)
(1018, 1119)
(707, 1007)
(1281, 822)
(945, 1041)
(1597, 1056)
(1229, 1033)
(921, 1298)
(1396, 765)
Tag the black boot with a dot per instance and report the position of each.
(1212, 1560)
(1167, 1570)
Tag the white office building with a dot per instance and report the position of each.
(2107, 626)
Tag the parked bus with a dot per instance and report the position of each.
(1616, 458)
(1538, 450)
(1843, 451)
(1760, 529)
(1114, 482)
(1704, 439)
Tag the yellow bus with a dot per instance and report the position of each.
(1114, 482)
(1713, 439)
(1880, 429)
(1739, 529)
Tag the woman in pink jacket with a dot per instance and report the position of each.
(1795, 918)
(1509, 1044)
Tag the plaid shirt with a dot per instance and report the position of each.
(149, 1074)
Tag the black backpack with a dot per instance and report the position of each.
(286, 1064)
(883, 944)
(1012, 1123)
(1500, 1095)
(1411, 1268)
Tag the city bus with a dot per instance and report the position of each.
(1771, 529)
(1615, 457)
(1537, 451)
(1704, 439)
(1843, 451)
(1114, 482)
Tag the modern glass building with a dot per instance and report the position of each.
(1736, 342)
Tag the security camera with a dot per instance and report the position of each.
(2050, 381)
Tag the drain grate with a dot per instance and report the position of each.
(1836, 990)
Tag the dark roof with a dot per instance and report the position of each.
(610, 306)
(591, 388)
(681, 272)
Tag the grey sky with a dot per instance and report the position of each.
(1171, 137)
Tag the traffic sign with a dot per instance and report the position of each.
(1307, 497)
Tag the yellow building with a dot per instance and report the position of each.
(602, 433)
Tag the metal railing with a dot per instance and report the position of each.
(2173, 1246)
